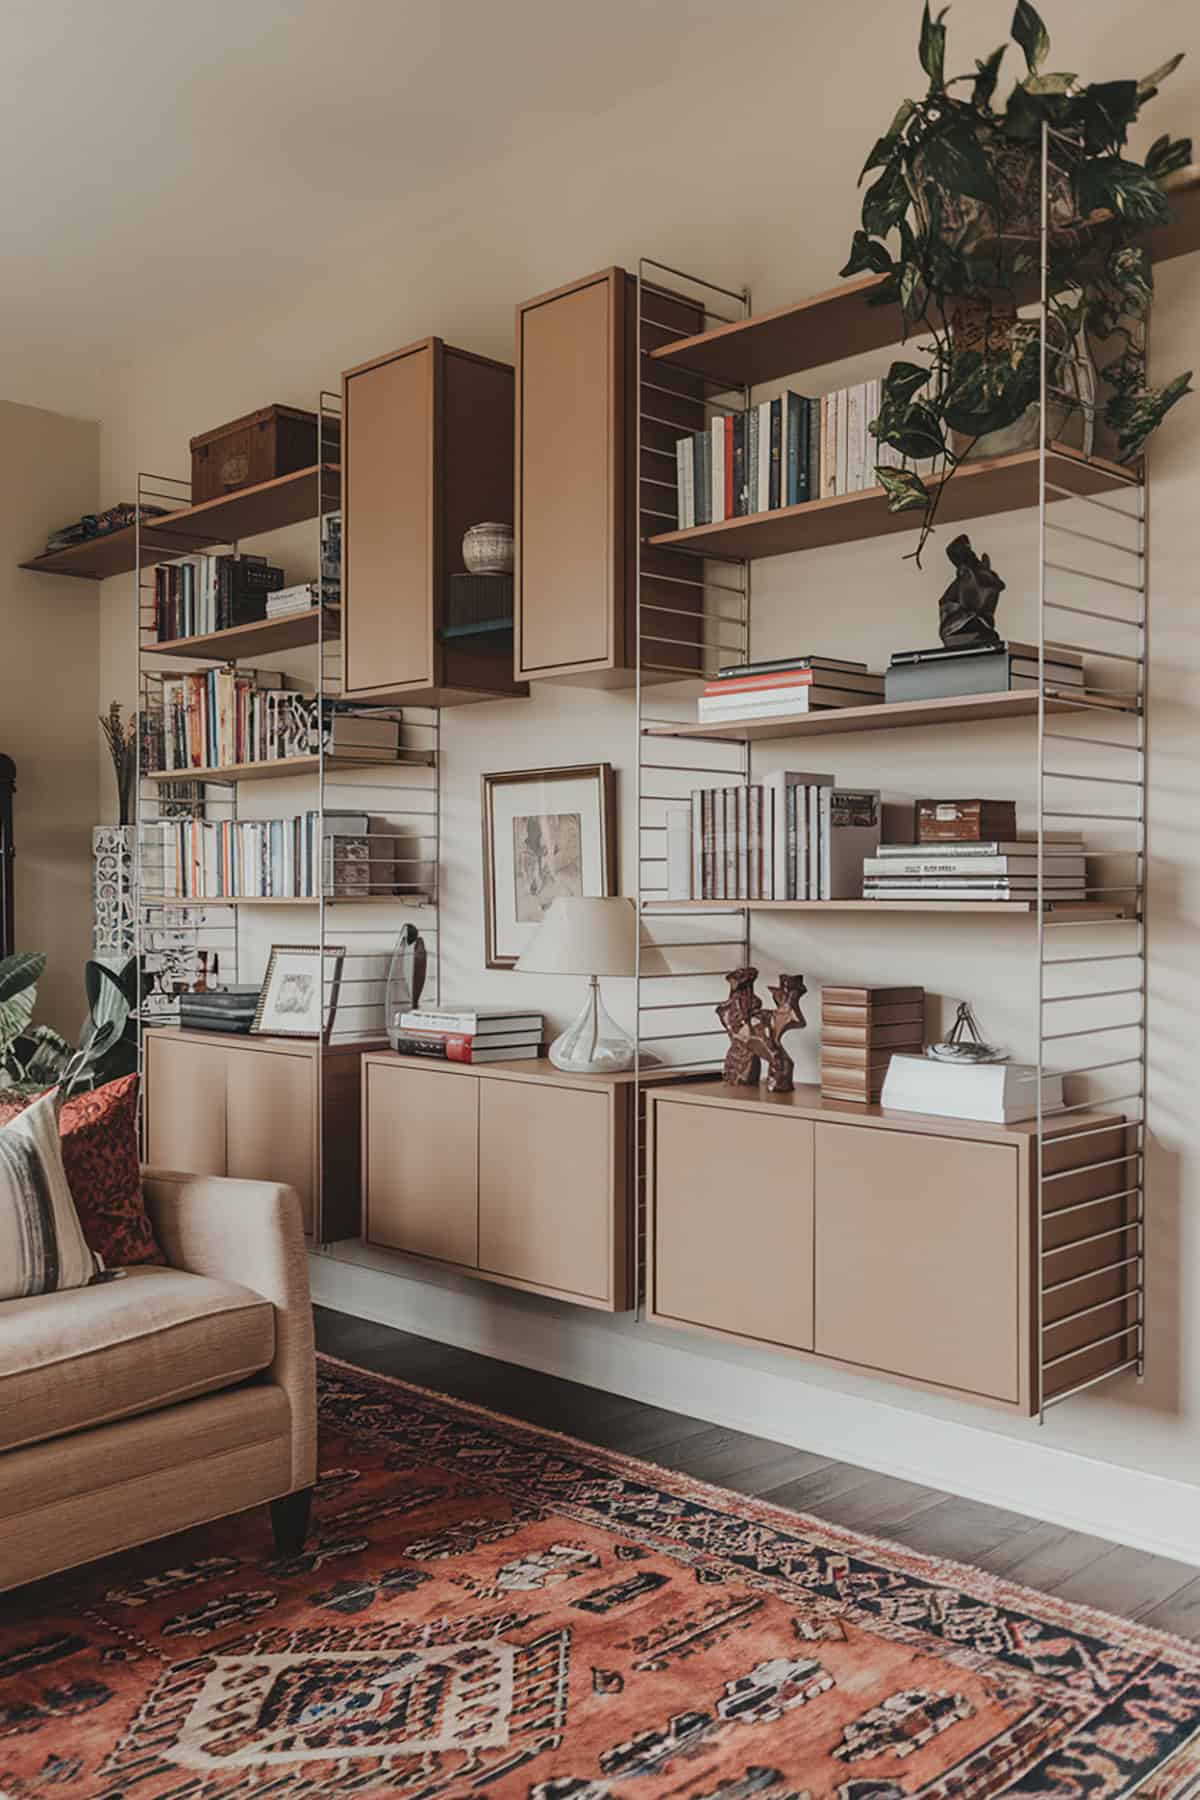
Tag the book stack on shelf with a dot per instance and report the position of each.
(470, 1034)
(286, 602)
(265, 859)
(939, 673)
(1002, 1093)
(861, 1029)
(211, 593)
(789, 837)
(786, 686)
(995, 869)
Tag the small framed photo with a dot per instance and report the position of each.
(298, 999)
(546, 833)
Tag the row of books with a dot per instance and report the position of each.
(469, 1034)
(211, 593)
(992, 870)
(940, 673)
(222, 718)
(789, 837)
(796, 684)
(261, 859)
(781, 452)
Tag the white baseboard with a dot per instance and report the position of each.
(1081, 1493)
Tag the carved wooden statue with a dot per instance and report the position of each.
(967, 609)
(755, 1034)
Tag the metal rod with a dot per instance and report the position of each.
(1094, 994)
(1095, 1344)
(1133, 1362)
(1108, 780)
(1069, 737)
(1133, 587)
(1082, 612)
(714, 287)
(1082, 1312)
(1093, 1238)
(1092, 650)
(1126, 1262)
(1054, 1037)
(1089, 537)
(1067, 493)
(715, 587)
(1058, 1212)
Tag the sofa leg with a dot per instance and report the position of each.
(289, 1521)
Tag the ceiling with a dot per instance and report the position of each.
(168, 163)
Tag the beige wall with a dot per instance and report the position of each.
(49, 635)
(741, 165)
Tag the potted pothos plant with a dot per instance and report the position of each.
(952, 224)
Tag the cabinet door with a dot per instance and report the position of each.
(421, 1161)
(185, 1105)
(546, 1187)
(272, 1121)
(733, 1222)
(571, 473)
(388, 522)
(918, 1240)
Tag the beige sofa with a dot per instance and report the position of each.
(140, 1406)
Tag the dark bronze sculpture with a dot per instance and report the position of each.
(755, 1034)
(967, 609)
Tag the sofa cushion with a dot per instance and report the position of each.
(42, 1246)
(72, 1360)
(99, 1133)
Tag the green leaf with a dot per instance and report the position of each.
(888, 145)
(903, 381)
(1166, 154)
(15, 1014)
(1030, 33)
(885, 202)
(986, 79)
(1110, 184)
(1106, 110)
(955, 159)
(1149, 85)
(867, 254)
(41, 1054)
(933, 46)
(904, 488)
(21, 970)
(989, 391)
(914, 430)
(1135, 416)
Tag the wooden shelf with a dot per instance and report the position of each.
(421, 899)
(999, 484)
(268, 506)
(277, 768)
(832, 326)
(900, 715)
(1061, 911)
(261, 638)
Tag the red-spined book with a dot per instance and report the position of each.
(729, 482)
(460, 1047)
(810, 676)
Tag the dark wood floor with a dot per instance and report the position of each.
(1133, 1583)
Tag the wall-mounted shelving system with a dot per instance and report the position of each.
(1087, 748)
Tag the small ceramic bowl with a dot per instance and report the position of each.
(488, 549)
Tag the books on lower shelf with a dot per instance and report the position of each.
(938, 673)
(469, 1034)
(472, 1021)
(804, 684)
(792, 836)
(977, 871)
(265, 859)
(999, 1093)
(454, 1046)
(208, 593)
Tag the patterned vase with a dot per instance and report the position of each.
(112, 891)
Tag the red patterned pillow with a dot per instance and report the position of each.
(100, 1154)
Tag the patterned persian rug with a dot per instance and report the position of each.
(489, 1610)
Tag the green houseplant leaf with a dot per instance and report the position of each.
(23, 969)
(904, 488)
(1032, 36)
(933, 46)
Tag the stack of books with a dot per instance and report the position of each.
(470, 1034)
(1002, 1093)
(786, 686)
(995, 870)
(790, 837)
(939, 673)
(861, 1029)
(210, 593)
(302, 596)
(331, 556)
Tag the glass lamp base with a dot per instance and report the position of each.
(593, 1044)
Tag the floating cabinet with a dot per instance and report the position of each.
(579, 497)
(512, 1172)
(220, 1104)
(894, 1244)
(427, 451)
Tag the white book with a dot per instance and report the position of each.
(842, 439)
(780, 786)
(1064, 842)
(898, 867)
(828, 448)
(799, 702)
(812, 796)
(763, 411)
(854, 448)
(685, 504)
(679, 853)
(697, 836)
(985, 892)
(718, 470)
(472, 1021)
(1000, 1093)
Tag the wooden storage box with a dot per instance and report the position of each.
(275, 440)
(861, 1029)
(964, 821)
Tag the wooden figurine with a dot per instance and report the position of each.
(755, 1034)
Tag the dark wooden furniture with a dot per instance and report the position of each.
(271, 1109)
(275, 440)
(893, 1243)
(427, 451)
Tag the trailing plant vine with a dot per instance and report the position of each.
(952, 225)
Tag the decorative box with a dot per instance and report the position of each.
(964, 821)
(861, 1030)
(276, 440)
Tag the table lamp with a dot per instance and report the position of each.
(592, 938)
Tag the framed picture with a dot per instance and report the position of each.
(546, 833)
(297, 1000)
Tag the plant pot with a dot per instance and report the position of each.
(988, 322)
(976, 228)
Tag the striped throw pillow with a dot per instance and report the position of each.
(42, 1246)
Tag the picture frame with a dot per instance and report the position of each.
(299, 984)
(546, 833)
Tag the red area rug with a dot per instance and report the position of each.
(486, 1609)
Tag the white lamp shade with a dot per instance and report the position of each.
(584, 937)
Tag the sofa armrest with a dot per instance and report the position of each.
(250, 1232)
